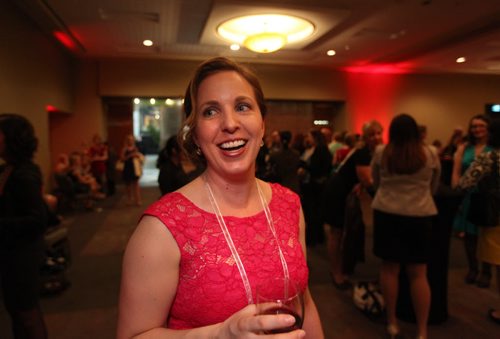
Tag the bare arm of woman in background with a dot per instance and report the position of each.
(457, 165)
(364, 174)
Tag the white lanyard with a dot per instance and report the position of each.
(230, 242)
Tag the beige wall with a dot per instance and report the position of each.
(34, 72)
(439, 101)
(73, 131)
(446, 101)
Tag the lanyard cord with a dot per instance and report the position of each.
(232, 247)
(230, 243)
(270, 223)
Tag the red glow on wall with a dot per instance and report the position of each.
(51, 109)
(371, 95)
(65, 39)
(397, 68)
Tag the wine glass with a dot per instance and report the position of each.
(281, 296)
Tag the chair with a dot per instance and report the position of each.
(69, 194)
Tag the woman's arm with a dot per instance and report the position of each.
(375, 170)
(149, 279)
(436, 170)
(312, 322)
(364, 174)
(149, 283)
(457, 165)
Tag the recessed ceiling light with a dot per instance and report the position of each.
(461, 60)
(137, 101)
(147, 43)
(331, 52)
(152, 101)
(235, 47)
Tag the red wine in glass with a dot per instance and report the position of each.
(284, 310)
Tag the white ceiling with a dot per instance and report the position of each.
(417, 35)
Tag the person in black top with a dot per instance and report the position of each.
(23, 220)
(285, 162)
(176, 169)
(354, 170)
(314, 170)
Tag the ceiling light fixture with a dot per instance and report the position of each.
(265, 33)
(461, 60)
(331, 52)
(147, 43)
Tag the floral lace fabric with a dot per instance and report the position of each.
(479, 169)
(210, 287)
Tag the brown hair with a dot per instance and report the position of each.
(204, 70)
(484, 118)
(405, 152)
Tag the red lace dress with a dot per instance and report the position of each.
(210, 287)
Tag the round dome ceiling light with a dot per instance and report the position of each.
(265, 33)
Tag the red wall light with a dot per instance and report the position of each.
(65, 39)
(51, 109)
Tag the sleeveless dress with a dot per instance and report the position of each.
(460, 223)
(129, 175)
(210, 288)
(488, 246)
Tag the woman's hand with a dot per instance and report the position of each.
(246, 323)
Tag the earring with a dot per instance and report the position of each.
(198, 150)
(261, 143)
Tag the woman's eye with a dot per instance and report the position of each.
(242, 107)
(209, 112)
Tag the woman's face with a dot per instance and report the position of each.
(479, 129)
(130, 140)
(309, 141)
(373, 137)
(229, 125)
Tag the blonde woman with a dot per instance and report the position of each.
(132, 170)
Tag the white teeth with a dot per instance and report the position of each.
(232, 144)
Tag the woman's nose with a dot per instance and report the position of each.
(230, 120)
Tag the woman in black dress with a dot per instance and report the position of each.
(132, 170)
(353, 172)
(23, 219)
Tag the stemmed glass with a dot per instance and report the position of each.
(281, 296)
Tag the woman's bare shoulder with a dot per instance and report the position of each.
(194, 191)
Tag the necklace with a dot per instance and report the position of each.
(232, 247)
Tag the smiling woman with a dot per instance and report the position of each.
(197, 255)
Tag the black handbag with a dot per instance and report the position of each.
(485, 202)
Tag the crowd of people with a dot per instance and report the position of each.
(93, 170)
(235, 203)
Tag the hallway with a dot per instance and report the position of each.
(88, 308)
